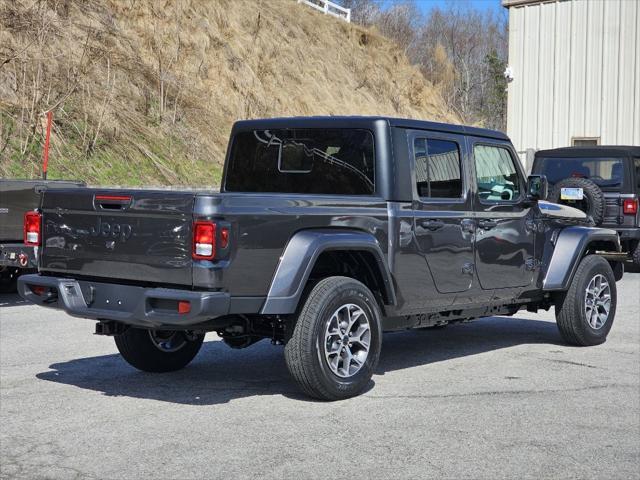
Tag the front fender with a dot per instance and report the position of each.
(298, 260)
(569, 249)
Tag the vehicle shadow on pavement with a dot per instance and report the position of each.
(11, 300)
(220, 374)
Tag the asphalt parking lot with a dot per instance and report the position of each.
(496, 398)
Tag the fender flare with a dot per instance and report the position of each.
(299, 258)
(569, 249)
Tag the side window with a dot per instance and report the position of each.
(637, 163)
(496, 173)
(438, 173)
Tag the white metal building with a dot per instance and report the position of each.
(576, 73)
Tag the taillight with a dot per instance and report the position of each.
(184, 307)
(204, 240)
(630, 206)
(32, 230)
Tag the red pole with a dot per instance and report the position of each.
(45, 160)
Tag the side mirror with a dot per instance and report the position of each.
(537, 187)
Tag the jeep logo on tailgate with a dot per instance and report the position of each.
(121, 231)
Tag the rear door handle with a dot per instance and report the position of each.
(487, 224)
(431, 224)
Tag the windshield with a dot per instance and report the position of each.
(320, 161)
(604, 172)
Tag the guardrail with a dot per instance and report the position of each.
(329, 8)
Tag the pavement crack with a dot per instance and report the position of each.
(569, 362)
(506, 392)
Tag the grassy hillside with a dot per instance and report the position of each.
(145, 92)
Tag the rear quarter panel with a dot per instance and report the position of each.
(263, 224)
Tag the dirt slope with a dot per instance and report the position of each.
(146, 91)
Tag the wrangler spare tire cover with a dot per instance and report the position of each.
(593, 202)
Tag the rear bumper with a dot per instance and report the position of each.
(628, 233)
(131, 305)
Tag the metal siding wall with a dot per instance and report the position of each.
(610, 72)
(577, 72)
(578, 61)
(562, 73)
(593, 68)
(636, 109)
(530, 101)
(516, 52)
(546, 88)
(628, 58)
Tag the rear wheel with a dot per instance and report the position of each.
(158, 350)
(635, 255)
(336, 341)
(8, 279)
(585, 313)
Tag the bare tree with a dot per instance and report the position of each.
(459, 48)
(363, 12)
(401, 22)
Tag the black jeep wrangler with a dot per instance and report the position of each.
(602, 181)
(327, 232)
(16, 197)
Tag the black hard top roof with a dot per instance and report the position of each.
(364, 122)
(595, 151)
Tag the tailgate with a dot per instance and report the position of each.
(143, 236)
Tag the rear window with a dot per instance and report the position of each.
(313, 161)
(604, 172)
(437, 168)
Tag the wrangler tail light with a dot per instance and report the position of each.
(32, 229)
(204, 240)
(630, 206)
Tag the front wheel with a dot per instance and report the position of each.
(336, 340)
(585, 313)
(158, 350)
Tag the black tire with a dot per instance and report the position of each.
(9, 280)
(593, 204)
(140, 351)
(570, 307)
(636, 255)
(305, 350)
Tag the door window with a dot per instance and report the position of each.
(496, 173)
(438, 173)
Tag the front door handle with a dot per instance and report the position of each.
(431, 224)
(487, 224)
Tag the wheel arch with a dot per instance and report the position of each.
(572, 244)
(315, 253)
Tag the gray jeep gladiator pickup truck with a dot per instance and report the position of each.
(327, 232)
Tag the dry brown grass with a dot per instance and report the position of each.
(146, 91)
